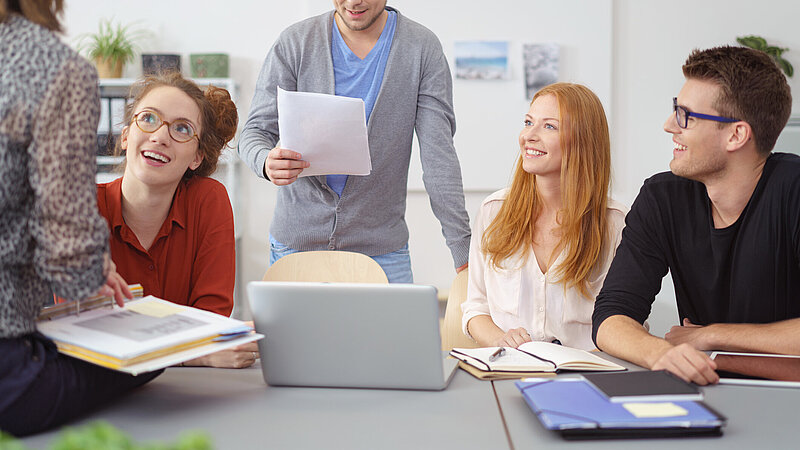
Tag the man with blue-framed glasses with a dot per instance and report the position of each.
(682, 115)
(725, 222)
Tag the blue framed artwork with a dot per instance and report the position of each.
(482, 60)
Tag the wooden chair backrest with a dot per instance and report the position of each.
(452, 336)
(326, 266)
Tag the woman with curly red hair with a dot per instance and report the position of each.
(171, 225)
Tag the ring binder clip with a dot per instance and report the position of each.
(75, 308)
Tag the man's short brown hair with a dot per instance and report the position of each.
(752, 89)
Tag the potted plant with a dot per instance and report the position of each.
(759, 43)
(110, 48)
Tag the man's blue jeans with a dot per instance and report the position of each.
(396, 265)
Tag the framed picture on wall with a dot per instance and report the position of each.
(482, 60)
(540, 62)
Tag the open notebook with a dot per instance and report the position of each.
(529, 358)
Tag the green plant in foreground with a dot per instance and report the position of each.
(96, 435)
(111, 42)
(8, 442)
(759, 43)
(104, 436)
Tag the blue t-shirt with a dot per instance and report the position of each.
(359, 78)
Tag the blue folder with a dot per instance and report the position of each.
(575, 409)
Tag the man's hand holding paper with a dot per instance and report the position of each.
(283, 166)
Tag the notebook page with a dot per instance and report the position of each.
(568, 357)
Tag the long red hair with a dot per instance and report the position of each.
(585, 179)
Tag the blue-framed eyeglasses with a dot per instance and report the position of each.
(682, 115)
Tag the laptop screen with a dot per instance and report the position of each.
(349, 335)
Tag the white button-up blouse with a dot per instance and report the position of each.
(523, 296)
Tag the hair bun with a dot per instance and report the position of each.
(227, 118)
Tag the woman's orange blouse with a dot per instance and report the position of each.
(192, 261)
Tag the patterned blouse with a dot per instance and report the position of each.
(52, 238)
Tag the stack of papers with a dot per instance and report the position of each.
(145, 335)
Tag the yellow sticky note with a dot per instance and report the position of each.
(661, 409)
(154, 309)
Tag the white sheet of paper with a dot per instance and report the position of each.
(330, 132)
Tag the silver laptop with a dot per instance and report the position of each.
(349, 335)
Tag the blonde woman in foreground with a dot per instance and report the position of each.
(541, 248)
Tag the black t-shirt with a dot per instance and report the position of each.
(748, 272)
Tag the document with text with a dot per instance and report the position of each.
(146, 334)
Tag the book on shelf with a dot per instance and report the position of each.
(643, 386)
(529, 358)
(575, 409)
(146, 334)
(758, 369)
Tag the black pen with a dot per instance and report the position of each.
(500, 352)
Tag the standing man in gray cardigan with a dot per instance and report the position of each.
(361, 49)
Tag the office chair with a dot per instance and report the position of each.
(326, 266)
(452, 336)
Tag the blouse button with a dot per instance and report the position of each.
(151, 267)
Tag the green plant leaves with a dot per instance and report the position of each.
(9, 442)
(786, 66)
(95, 435)
(755, 42)
(759, 43)
(103, 435)
(113, 42)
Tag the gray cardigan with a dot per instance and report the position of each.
(369, 217)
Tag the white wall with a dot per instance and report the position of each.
(651, 42)
(489, 112)
(648, 43)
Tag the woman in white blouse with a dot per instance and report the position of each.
(541, 248)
